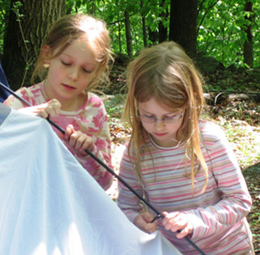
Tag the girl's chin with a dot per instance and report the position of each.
(164, 142)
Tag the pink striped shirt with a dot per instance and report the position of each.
(90, 119)
(218, 215)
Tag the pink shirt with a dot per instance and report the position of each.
(218, 215)
(91, 119)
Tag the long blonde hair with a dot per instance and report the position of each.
(166, 73)
(67, 30)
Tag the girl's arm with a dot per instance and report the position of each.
(44, 110)
(16, 103)
(102, 144)
(128, 202)
(235, 201)
(99, 173)
(101, 148)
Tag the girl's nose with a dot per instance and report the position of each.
(159, 125)
(74, 73)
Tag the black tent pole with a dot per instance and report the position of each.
(92, 155)
(159, 215)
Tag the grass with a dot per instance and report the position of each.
(244, 139)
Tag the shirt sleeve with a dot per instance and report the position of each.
(102, 150)
(16, 103)
(127, 201)
(235, 202)
(102, 143)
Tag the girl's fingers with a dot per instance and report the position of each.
(43, 114)
(53, 108)
(78, 140)
(177, 221)
(147, 217)
(68, 132)
(168, 217)
(183, 233)
(49, 109)
(143, 220)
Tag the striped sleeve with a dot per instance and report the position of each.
(235, 200)
(127, 200)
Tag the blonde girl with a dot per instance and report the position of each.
(182, 165)
(73, 61)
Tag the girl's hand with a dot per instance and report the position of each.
(143, 220)
(177, 221)
(49, 109)
(78, 141)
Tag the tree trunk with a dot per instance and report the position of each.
(183, 24)
(144, 32)
(163, 33)
(24, 38)
(144, 25)
(248, 45)
(119, 35)
(128, 35)
(153, 36)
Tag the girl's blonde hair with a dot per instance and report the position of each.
(166, 73)
(74, 27)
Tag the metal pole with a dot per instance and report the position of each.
(159, 215)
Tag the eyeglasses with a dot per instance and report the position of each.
(153, 119)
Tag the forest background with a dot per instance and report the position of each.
(222, 37)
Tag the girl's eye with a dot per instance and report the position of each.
(170, 117)
(65, 63)
(86, 71)
(149, 116)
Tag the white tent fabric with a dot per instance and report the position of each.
(49, 204)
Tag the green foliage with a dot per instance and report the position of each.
(222, 34)
(221, 24)
(16, 9)
(4, 12)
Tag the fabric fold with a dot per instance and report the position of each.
(51, 205)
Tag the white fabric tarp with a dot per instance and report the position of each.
(49, 204)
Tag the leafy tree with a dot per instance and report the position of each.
(222, 29)
(4, 14)
(25, 31)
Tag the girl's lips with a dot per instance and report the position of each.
(68, 87)
(163, 134)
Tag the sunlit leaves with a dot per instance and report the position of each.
(222, 32)
(221, 24)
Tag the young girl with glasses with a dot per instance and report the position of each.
(73, 61)
(182, 165)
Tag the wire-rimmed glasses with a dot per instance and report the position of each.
(166, 119)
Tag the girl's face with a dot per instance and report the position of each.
(166, 122)
(70, 72)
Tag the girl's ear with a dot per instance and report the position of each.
(46, 54)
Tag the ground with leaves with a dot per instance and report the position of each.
(238, 116)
